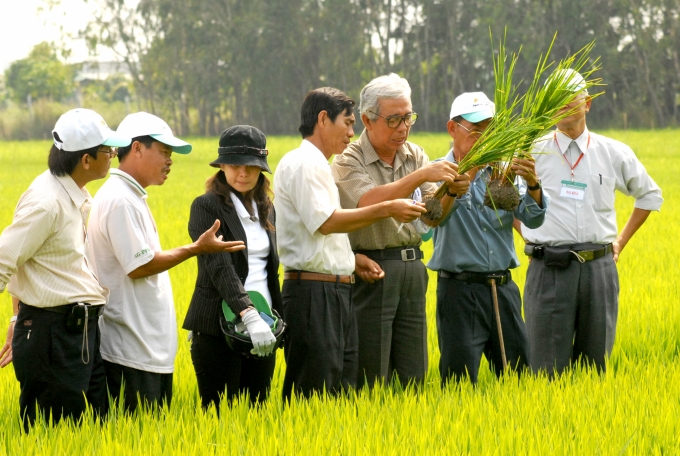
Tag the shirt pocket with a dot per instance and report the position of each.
(602, 192)
(500, 219)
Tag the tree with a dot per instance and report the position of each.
(40, 75)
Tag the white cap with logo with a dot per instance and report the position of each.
(473, 107)
(81, 129)
(145, 124)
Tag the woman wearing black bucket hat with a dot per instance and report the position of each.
(239, 196)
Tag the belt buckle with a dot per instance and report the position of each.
(501, 279)
(351, 279)
(405, 256)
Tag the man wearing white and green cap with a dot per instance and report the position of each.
(53, 338)
(474, 244)
(572, 288)
(139, 331)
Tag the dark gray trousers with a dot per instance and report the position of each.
(466, 328)
(571, 313)
(321, 338)
(392, 323)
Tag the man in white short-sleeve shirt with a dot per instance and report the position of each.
(321, 346)
(138, 327)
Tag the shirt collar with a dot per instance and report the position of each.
(78, 195)
(241, 209)
(563, 140)
(130, 181)
(371, 156)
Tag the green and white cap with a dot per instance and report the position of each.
(82, 129)
(473, 107)
(145, 124)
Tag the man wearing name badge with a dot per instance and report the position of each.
(474, 245)
(382, 165)
(321, 342)
(572, 287)
(138, 327)
(57, 299)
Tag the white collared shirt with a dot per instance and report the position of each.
(305, 197)
(606, 165)
(42, 253)
(257, 243)
(138, 327)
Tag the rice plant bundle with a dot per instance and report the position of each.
(520, 120)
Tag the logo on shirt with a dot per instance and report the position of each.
(138, 254)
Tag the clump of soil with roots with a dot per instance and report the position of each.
(501, 193)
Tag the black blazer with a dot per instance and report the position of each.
(222, 275)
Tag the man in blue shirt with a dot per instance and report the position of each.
(474, 244)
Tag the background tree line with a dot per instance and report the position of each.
(207, 64)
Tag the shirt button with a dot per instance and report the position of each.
(491, 251)
(483, 229)
(578, 205)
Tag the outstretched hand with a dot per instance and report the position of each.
(406, 210)
(209, 243)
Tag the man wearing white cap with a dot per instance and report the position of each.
(473, 245)
(139, 331)
(53, 334)
(572, 287)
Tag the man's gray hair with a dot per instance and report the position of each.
(391, 86)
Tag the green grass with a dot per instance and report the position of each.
(632, 409)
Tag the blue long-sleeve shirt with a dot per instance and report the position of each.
(474, 238)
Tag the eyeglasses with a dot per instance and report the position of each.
(394, 121)
(473, 133)
(112, 151)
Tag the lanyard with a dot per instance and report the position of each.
(578, 160)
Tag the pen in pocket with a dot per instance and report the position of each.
(600, 179)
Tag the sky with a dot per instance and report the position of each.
(22, 26)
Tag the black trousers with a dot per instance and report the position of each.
(321, 346)
(466, 328)
(57, 374)
(220, 371)
(136, 385)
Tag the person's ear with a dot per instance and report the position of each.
(85, 161)
(589, 101)
(322, 118)
(367, 122)
(450, 126)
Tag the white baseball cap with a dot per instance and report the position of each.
(574, 80)
(145, 124)
(473, 107)
(81, 129)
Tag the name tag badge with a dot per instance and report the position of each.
(573, 190)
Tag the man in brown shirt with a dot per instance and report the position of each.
(382, 165)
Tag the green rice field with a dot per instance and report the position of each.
(632, 409)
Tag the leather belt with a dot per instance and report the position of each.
(66, 309)
(318, 277)
(395, 253)
(502, 277)
(586, 255)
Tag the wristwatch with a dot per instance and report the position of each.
(13, 318)
(452, 195)
(535, 187)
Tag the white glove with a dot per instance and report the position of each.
(260, 334)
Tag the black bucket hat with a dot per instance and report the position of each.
(242, 145)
